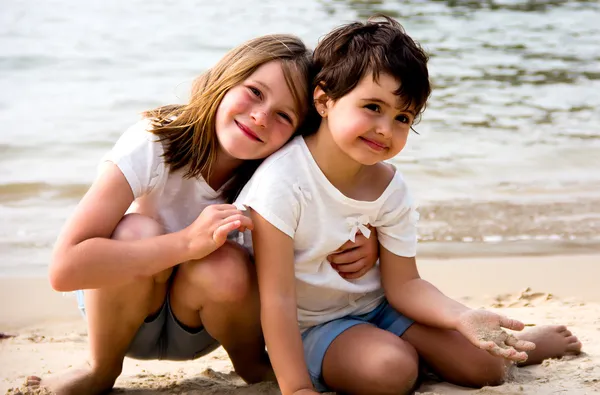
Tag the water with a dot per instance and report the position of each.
(509, 149)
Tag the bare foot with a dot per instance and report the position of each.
(72, 382)
(551, 341)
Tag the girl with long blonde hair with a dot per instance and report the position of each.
(147, 248)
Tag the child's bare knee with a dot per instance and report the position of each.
(135, 227)
(400, 379)
(396, 370)
(222, 277)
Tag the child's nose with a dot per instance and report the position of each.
(385, 129)
(260, 118)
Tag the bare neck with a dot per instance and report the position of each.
(222, 170)
(342, 171)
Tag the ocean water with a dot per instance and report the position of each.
(508, 156)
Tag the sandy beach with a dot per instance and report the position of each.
(44, 333)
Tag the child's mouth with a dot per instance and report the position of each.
(374, 145)
(248, 132)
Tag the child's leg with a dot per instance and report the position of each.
(114, 315)
(367, 360)
(220, 293)
(452, 357)
(456, 360)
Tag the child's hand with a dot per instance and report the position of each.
(209, 231)
(484, 329)
(353, 260)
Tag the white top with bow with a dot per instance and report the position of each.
(290, 191)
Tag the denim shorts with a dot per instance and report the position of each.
(316, 340)
(163, 337)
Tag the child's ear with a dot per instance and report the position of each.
(320, 99)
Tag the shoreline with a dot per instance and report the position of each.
(427, 252)
(565, 276)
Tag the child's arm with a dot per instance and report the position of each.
(274, 255)
(85, 256)
(421, 301)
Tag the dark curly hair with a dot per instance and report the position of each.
(380, 45)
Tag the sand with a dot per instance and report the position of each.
(43, 333)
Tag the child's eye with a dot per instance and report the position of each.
(286, 117)
(255, 91)
(373, 107)
(403, 119)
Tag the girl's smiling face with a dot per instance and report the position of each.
(370, 123)
(258, 116)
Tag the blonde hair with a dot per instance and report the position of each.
(188, 131)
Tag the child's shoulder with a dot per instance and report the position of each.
(140, 132)
(273, 182)
(386, 172)
(285, 159)
(385, 177)
(138, 139)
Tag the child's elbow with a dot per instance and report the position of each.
(58, 281)
(58, 275)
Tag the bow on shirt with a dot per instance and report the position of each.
(356, 224)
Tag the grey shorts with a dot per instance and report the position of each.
(164, 338)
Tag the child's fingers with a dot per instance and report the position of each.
(233, 222)
(513, 355)
(497, 351)
(504, 352)
(349, 267)
(220, 234)
(220, 210)
(509, 323)
(221, 207)
(346, 246)
(357, 274)
(520, 357)
(520, 345)
(359, 241)
(245, 222)
(492, 348)
(487, 345)
(345, 257)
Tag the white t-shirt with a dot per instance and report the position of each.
(173, 201)
(291, 192)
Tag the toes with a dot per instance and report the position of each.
(574, 348)
(560, 328)
(567, 333)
